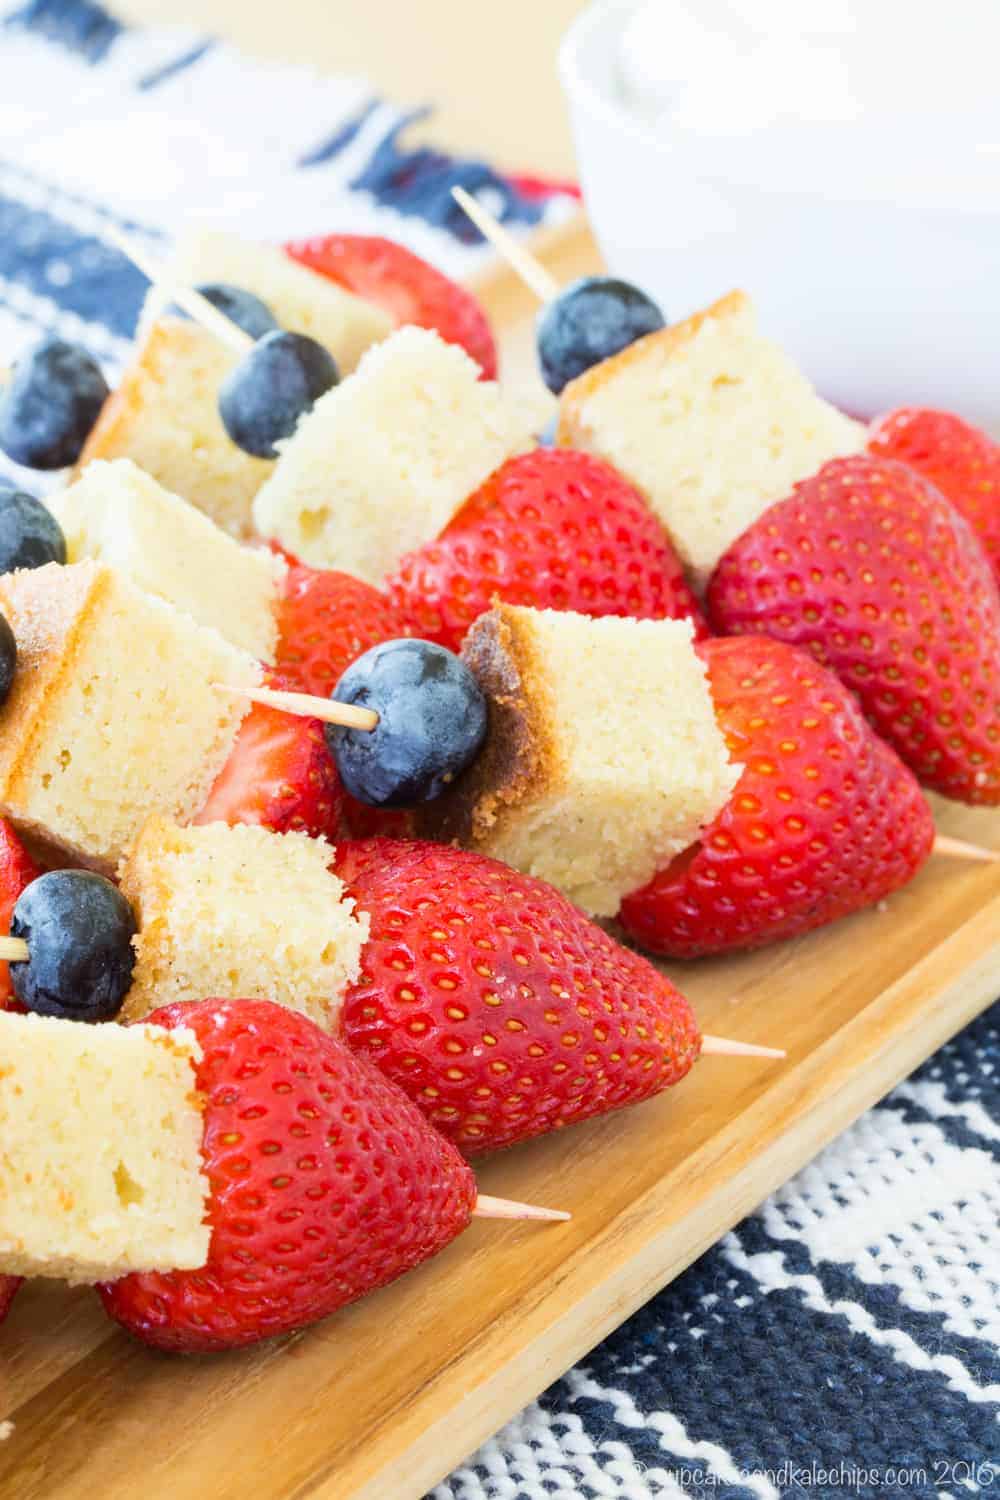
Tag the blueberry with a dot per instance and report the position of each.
(240, 307)
(590, 320)
(8, 659)
(50, 405)
(30, 535)
(79, 930)
(276, 383)
(432, 723)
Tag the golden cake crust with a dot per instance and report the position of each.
(112, 713)
(520, 760)
(141, 420)
(732, 305)
(50, 627)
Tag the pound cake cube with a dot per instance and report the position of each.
(164, 415)
(121, 516)
(603, 758)
(113, 714)
(100, 1150)
(711, 420)
(383, 461)
(241, 913)
(301, 300)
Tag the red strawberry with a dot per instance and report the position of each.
(498, 1007)
(326, 620)
(325, 1184)
(280, 775)
(825, 819)
(554, 529)
(409, 289)
(871, 569)
(17, 870)
(961, 460)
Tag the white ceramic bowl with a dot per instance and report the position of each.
(884, 299)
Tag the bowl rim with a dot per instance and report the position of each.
(575, 79)
(581, 88)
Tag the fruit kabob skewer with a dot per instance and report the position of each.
(861, 604)
(475, 1057)
(444, 732)
(502, 969)
(225, 1171)
(367, 718)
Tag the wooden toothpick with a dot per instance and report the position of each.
(506, 1208)
(959, 849)
(193, 303)
(722, 1046)
(306, 706)
(14, 950)
(531, 271)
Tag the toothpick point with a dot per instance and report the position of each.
(722, 1046)
(960, 849)
(306, 706)
(506, 1208)
(531, 271)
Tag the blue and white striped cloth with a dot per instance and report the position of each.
(145, 130)
(843, 1341)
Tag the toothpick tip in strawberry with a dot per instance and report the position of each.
(962, 849)
(487, 1207)
(724, 1046)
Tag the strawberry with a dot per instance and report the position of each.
(825, 819)
(962, 461)
(17, 870)
(410, 290)
(554, 529)
(495, 1004)
(280, 775)
(326, 620)
(325, 1183)
(868, 567)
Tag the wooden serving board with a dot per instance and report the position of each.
(385, 1398)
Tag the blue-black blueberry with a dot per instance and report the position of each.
(590, 320)
(432, 723)
(275, 383)
(30, 535)
(53, 399)
(79, 930)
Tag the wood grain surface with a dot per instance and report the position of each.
(385, 1398)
